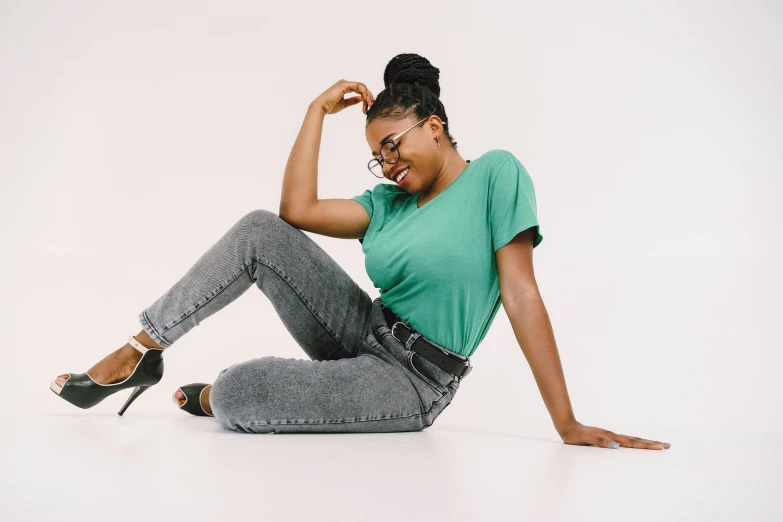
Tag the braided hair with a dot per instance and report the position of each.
(410, 87)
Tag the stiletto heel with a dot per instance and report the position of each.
(138, 391)
(81, 390)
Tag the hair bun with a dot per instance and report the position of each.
(412, 68)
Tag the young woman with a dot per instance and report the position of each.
(445, 242)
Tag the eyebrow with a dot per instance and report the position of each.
(384, 139)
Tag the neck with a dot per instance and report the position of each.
(452, 167)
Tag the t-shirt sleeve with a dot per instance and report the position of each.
(512, 203)
(365, 198)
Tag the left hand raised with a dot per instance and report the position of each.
(579, 434)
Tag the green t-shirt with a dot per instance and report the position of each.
(435, 265)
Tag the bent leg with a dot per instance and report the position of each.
(283, 395)
(325, 311)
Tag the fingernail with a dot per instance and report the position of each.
(614, 445)
(666, 444)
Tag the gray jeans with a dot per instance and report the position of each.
(359, 377)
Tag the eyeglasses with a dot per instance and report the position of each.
(390, 153)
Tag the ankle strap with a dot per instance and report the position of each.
(136, 344)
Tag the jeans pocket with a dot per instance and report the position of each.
(432, 384)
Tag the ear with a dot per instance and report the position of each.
(435, 125)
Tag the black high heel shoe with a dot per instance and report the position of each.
(192, 404)
(81, 390)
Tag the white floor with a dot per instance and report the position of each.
(92, 465)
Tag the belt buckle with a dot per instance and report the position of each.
(392, 330)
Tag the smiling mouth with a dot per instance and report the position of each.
(402, 176)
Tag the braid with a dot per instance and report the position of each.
(412, 68)
(411, 86)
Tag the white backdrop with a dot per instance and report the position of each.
(132, 136)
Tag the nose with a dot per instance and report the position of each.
(388, 173)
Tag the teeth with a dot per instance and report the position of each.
(402, 174)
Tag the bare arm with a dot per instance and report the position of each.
(299, 203)
(530, 321)
(533, 330)
(300, 182)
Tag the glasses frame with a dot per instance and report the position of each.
(396, 145)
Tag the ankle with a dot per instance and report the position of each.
(147, 341)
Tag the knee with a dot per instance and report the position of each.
(264, 226)
(223, 397)
(260, 217)
(237, 395)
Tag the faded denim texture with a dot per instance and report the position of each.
(358, 378)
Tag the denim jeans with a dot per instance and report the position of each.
(359, 377)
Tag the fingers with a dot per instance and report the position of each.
(366, 96)
(591, 435)
(615, 440)
(352, 101)
(644, 443)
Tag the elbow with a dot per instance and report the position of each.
(286, 216)
(286, 213)
(518, 295)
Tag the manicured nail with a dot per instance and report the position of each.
(614, 445)
(666, 444)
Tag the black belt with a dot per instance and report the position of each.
(424, 347)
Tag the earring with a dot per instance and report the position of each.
(436, 140)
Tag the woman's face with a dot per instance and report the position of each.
(417, 150)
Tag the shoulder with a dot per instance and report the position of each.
(495, 158)
(503, 173)
(499, 164)
(387, 196)
(496, 155)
